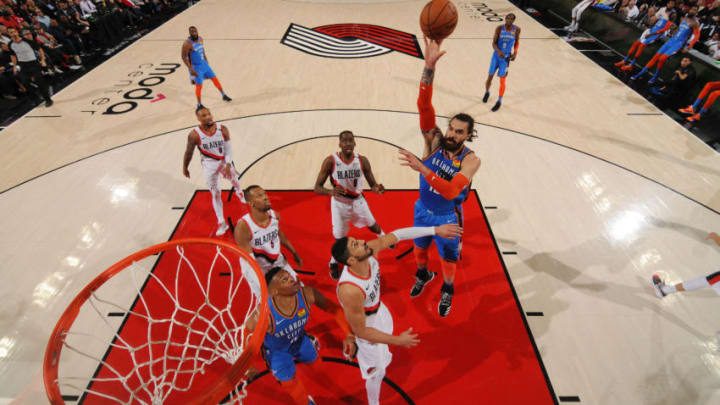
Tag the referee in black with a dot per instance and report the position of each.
(25, 57)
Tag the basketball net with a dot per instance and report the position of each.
(183, 326)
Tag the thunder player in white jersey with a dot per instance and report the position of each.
(258, 233)
(213, 142)
(347, 204)
(359, 294)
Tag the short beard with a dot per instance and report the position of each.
(450, 148)
(194, 37)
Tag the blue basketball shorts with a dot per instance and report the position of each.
(499, 65)
(449, 249)
(203, 71)
(282, 362)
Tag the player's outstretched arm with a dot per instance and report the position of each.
(284, 241)
(431, 133)
(352, 298)
(192, 141)
(370, 177)
(315, 297)
(385, 241)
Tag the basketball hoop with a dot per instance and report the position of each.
(182, 338)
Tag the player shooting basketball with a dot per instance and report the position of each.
(446, 170)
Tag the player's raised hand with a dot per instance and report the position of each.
(411, 161)
(432, 52)
(448, 231)
(408, 339)
(378, 189)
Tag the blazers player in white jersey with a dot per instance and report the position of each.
(359, 294)
(213, 142)
(347, 204)
(258, 233)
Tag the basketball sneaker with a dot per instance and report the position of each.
(311, 401)
(496, 106)
(687, 110)
(226, 98)
(620, 64)
(486, 97)
(627, 68)
(335, 270)
(222, 229)
(693, 118)
(420, 283)
(445, 303)
(658, 284)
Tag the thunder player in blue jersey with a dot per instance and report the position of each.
(505, 45)
(445, 173)
(194, 57)
(687, 34)
(285, 339)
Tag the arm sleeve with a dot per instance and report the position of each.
(448, 189)
(694, 38)
(414, 232)
(425, 107)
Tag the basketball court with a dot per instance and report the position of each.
(584, 192)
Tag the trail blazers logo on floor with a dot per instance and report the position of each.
(349, 41)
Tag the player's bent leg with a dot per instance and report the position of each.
(497, 105)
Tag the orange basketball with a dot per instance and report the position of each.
(438, 19)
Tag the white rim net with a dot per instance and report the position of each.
(183, 326)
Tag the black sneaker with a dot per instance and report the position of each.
(48, 103)
(420, 284)
(445, 303)
(486, 97)
(226, 98)
(335, 271)
(496, 106)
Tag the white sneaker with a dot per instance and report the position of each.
(567, 27)
(222, 229)
(75, 67)
(658, 284)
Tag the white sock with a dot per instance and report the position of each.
(696, 283)
(668, 289)
(372, 385)
(217, 205)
